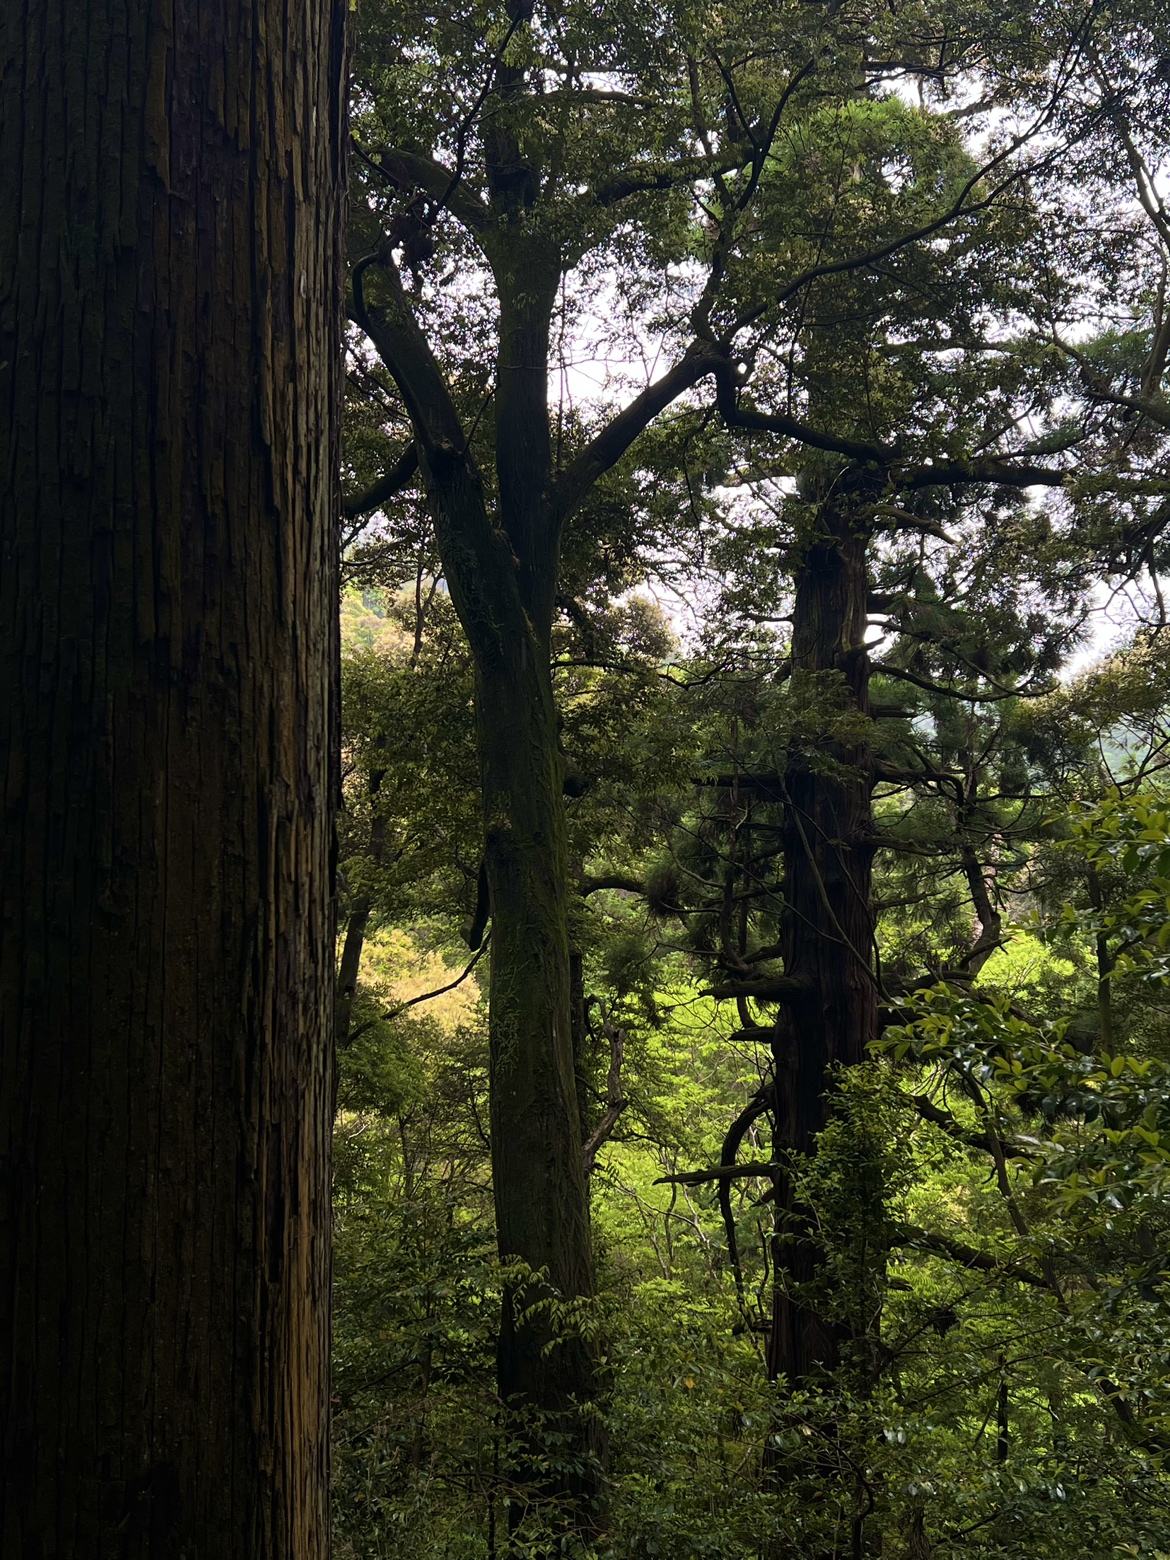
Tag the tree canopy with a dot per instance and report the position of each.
(756, 496)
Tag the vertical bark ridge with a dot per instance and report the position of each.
(169, 303)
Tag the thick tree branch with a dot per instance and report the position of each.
(990, 920)
(938, 1117)
(742, 1172)
(900, 674)
(608, 447)
(967, 1256)
(592, 885)
(767, 988)
(415, 170)
(386, 487)
(642, 179)
(943, 473)
(404, 350)
(478, 562)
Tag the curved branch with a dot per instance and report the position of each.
(400, 167)
(386, 487)
(760, 1102)
(591, 885)
(615, 1102)
(944, 473)
(967, 1256)
(645, 179)
(426, 996)
(899, 674)
(608, 447)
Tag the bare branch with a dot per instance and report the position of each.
(426, 996)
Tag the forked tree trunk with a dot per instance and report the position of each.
(541, 1197)
(501, 566)
(169, 348)
(828, 928)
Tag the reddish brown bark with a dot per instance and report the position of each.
(169, 292)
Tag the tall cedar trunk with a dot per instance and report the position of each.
(827, 930)
(501, 564)
(542, 1209)
(169, 345)
(542, 1206)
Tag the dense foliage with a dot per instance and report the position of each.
(868, 605)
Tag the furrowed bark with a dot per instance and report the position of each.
(170, 271)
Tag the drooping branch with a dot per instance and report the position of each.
(427, 996)
(900, 674)
(760, 1102)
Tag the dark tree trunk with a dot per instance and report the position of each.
(542, 1208)
(541, 1197)
(827, 928)
(501, 567)
(169, 346)
(357, 923)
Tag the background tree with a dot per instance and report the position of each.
(857, 281)
(169, 341)
(581, 142)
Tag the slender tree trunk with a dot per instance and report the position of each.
(1105, 963)
(827, 929)
(169, 346)
(357, 924)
